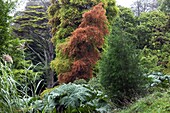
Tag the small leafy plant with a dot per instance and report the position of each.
(158, 79)
(72, 98)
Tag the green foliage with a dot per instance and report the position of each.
(157, 102)
(151, 25)
(158, 80)
(127, 19)
(5, 38)
(8, 44)
(65, 17)
(164, 6)
(155, 60)
(8, 90)
(127, 22)
(119, 69)
(167, 70)
(72, 98)
(12, 46)
(23, 70)
(31, 25)
(153, 38)
(26, 74)
(61, 64)
(149, 60)
(95, 83)
(35, 7)
(14, 96)
(80, 81)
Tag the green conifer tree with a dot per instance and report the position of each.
(119, 70)
(32, 25)
(65, 17)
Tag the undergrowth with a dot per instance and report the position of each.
(157, 102)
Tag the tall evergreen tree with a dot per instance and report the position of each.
(32, 25)
(119, 69)
(65, 17)
(82, 46)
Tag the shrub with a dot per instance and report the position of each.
(72, 98)
(158, 81)
(14, 96)
(119, 70)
